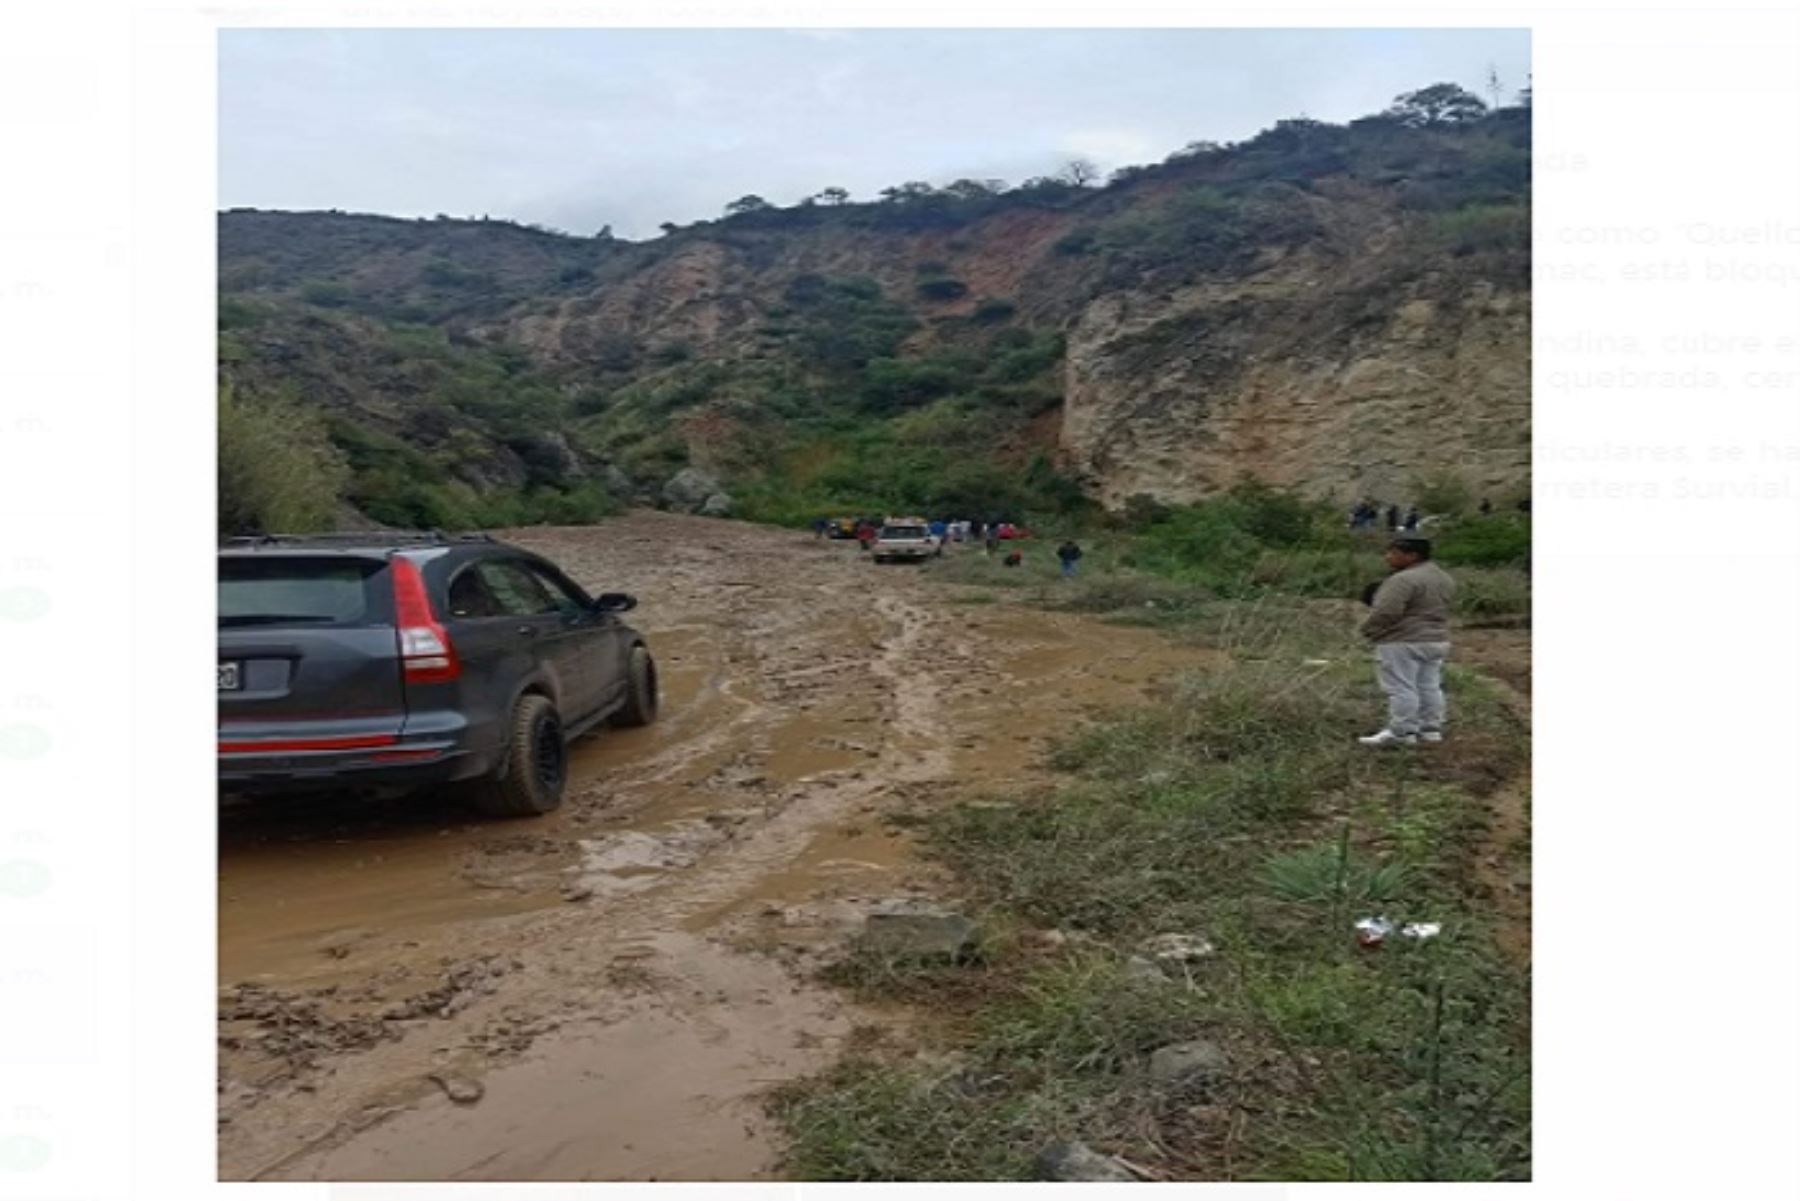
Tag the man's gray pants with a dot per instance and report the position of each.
(1412, 675)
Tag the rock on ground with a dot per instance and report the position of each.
(1188, 1061)
(1177, 948)
(690, 490)
(1139, 970)
(920, 932)
(460, 1089)
(1078, 1161)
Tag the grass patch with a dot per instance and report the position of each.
(1238, 807)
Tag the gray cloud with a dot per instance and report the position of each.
(580, 128)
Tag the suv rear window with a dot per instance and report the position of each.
(301, 591)
(903, 531)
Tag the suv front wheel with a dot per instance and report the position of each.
(529, 781)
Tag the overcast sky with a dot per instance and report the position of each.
(582, 128)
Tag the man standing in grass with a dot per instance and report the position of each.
(1068, 554)
(1409, 623)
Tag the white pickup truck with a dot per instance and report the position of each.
(905, 539)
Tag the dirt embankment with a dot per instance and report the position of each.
(606, 993)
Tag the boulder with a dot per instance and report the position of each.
(689, 490)
(920, 932)
(717, 505)
(461, 1089)
(1078, 1161)
(617, 482)
(1177, 948)
(548, 452)
(1139, 970)
(1182, 1062)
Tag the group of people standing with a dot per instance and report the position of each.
(944, 529)
(1368, 514)
(990, 533)
(1408, 623)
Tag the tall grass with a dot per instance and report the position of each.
(278, 471)
(1237, 808)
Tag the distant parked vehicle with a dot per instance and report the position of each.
(398, 659)
(905, 539)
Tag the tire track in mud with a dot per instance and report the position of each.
(718, 853)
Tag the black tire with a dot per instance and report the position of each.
(529, 781)
(639, 708)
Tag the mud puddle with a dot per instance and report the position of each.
(662, 1088)
(308, 883)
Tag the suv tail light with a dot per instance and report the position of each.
(426, 654)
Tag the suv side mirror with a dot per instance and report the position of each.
(614, 602)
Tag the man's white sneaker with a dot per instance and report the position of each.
(1387, 738)
(1431, 736)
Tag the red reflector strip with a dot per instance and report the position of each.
(347, 742)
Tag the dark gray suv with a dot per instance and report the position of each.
(396, 660)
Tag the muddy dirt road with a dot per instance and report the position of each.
(605, 993)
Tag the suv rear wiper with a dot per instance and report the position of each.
(270, 619)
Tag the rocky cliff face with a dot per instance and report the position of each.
(1352, 368)
(1337, 310)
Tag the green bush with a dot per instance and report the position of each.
(442, 273)
(1445, 493)
(1141, 511)
(844, 323)
(1339, 571)
(326, 295)
(1236, 542)
(1481, 227)
(895, 385)
(1491, 592)
(237, 314)
(278, 471)
(1273, 517)
(943, 289)
(1495, 540)
(1200, 228)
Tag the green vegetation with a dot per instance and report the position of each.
(1499, 540)
(326, 295)
(467, 440)
(277, 470)
(1183, 564)
(993, 311)
(395, 484)
(1236, 810)
(812, 389)
(1252, 539)
(943, 289)
(920, 465)
(1476, 227)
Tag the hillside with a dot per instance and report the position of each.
(1337, 309)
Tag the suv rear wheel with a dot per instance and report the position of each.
(639, 708)
(530, 780)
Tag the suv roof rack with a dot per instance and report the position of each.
(358, 538)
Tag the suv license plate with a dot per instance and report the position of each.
(229, 677)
